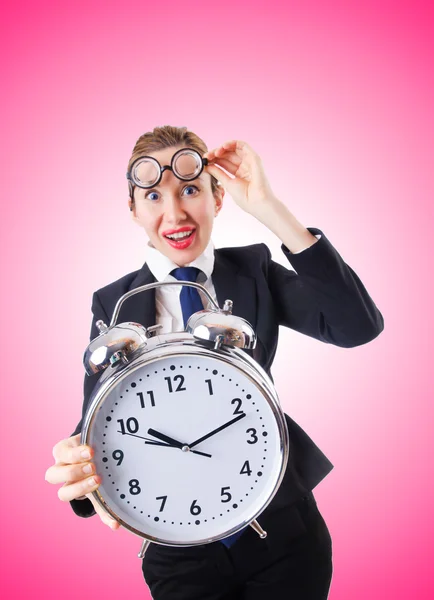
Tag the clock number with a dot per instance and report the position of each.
(226, 494)
(254, 436)
(134, 487)
(142, 399)
(132, 425)
(195, 509)
(163, 498)
(209, 382)
(179, 388)
(237, 411)
(246, 470)
(119, 456)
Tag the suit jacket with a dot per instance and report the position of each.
(324, 299)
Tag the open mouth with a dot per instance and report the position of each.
(180, 239)
(180, 236)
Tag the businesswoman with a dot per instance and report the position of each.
(175, 196)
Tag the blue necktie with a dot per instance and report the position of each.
(191, 303)
(190, 299)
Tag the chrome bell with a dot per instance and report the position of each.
(114, 344)
(221, 327)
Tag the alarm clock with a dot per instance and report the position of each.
(187, 430)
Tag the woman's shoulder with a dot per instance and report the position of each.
(244, 253)
(251, 256)
(118, 286)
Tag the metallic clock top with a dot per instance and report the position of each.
(118, 342)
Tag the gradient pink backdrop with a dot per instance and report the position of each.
(337, 99)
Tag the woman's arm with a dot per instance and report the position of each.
(325, 299)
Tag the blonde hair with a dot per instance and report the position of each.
(165, 137)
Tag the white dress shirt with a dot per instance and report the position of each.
(168, 304)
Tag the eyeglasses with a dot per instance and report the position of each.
(146, 171)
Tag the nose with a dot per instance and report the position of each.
(173, 210)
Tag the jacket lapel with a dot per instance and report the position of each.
(230, 284)
(140, 308)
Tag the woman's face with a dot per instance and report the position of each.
(177, 207)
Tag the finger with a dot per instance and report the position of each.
(227, 165)
(64, 473)
(221, 152)
(71, 491)
(70, 451)
(237, 146)
(69, 442)
(230, 145)
(103, 515)
(241, 149)
(220, 175)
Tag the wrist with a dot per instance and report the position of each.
(277, 217)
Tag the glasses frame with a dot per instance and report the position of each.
(132, 182)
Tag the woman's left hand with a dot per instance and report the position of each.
(249, 186)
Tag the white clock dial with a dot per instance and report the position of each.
(188, 449)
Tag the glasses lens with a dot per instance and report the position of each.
(187, 164)
(145, 173)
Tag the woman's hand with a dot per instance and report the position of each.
(73, 468)
(249, 186)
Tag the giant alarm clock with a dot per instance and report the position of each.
(187, 430)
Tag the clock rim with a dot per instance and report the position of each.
(167, 346)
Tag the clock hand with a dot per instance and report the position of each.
(154, 443)
(172, 442)
(148, 440)
(166, 438)
(216, 430)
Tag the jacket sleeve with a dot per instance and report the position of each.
(325, 298)
(84, 508)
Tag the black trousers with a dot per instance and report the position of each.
(294, 562)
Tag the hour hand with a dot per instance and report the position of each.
(173, 442)
(166, 438)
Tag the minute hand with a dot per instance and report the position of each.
(205, 437)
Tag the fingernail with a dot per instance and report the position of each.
(87, 469)
(91, 482)
(85, 454)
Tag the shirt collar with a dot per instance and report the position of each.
(161, 266)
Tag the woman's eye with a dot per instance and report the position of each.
(189, 187)
(152, 196)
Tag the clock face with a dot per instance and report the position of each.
(187, 447)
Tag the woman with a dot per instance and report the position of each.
(325, 299)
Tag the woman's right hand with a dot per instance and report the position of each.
(73, 468)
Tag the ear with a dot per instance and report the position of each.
(220, 192)
(131, 202)
(132, 207)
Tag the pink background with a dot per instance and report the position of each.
(337, 98)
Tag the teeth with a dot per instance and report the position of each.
(179, 236)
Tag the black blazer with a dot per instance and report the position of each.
(325, 300)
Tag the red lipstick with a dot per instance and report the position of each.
(183, 243)
(179, 230)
